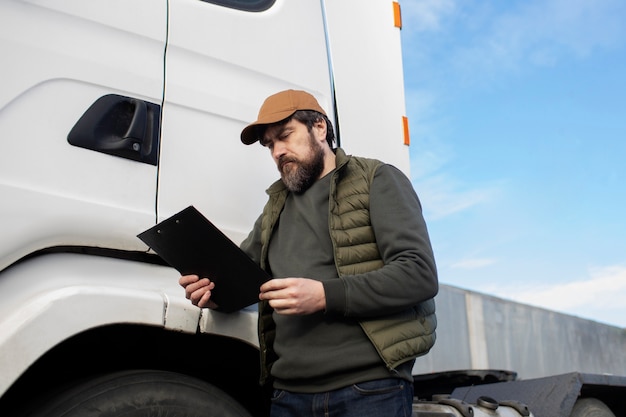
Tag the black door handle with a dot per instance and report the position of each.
(120, 126)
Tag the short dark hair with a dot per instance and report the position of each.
(310, 117)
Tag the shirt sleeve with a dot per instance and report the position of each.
(251, 245)
(409, 274)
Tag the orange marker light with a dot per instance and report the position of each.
(405, 125)
(397, 15)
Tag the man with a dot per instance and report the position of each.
(351, 305)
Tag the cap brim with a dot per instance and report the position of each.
(249, 134)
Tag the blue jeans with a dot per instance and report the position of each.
(380, 398)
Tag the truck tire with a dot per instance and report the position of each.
(591, 407)
(142, 393)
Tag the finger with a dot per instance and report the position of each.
(202, 293)
(282, 306)
(273, 295)
(203, 284)
(274, 284)
(185, 280)
(286, 311)
(206, 302)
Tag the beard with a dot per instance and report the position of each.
(302, 173)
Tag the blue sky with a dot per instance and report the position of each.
(517, 115)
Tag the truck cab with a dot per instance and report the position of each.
(116, 114)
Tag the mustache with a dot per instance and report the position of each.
(283, 160)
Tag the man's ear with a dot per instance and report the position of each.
(319, 127)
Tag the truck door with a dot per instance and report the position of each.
(222, 61)
(59, 59)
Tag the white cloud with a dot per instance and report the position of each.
(440, 193)
(426, 15)
(601, 295)
(441, 196)
(603, 285)
(476, 263)
(540, 33)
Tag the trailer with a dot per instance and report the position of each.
(555, 364)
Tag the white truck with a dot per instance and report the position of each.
(114, 115)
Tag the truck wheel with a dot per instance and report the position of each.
(591, 407)
(142, 393)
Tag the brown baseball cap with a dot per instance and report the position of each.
(278, 107)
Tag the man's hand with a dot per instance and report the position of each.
(198, 290)
(298, 296)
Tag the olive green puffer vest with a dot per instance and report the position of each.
(398, 338)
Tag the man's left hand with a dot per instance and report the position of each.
(297, 296)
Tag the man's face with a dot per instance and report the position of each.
(299, 157)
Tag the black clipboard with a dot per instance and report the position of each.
(191, 244)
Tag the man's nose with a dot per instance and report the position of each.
(278, 150)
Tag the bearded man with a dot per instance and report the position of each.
(351, 302)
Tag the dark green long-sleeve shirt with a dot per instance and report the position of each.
(329, 349)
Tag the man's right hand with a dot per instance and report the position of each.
(198, 290)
